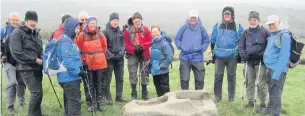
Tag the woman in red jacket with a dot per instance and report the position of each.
(93, 46)
(138, 42)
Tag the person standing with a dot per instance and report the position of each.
(16, 85)
(225, 37)
(192, 39)
(26, 49)
(138, 42)
(115, 57)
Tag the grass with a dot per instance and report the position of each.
(293, 95)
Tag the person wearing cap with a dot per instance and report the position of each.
(192, 40)
(68, 74)
(15, 86)
(82, 17)
(26, 49)
(93, 47)
(276, 59)
(56, 35)
(138, 40)
(225, 37)
(115, 57)
(252, 45)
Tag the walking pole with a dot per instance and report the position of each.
(1, 86)
(144, 66)
(256, 84)
(86, 80)
(245, 78)
(54, 91)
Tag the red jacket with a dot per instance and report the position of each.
(145, 40)
(58, 33)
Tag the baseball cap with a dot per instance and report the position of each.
(227, 12)
(193, 13)
(272, 19)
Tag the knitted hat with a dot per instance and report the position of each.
(137, 15)
(31, 15)
(91, 19)
(254, 14)
(114, 16)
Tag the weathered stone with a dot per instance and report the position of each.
(178, 103)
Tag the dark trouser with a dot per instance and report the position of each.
(199, 73)
(97, 86)
(220, 64)
(72, 98)
(275, 93)
(118, 67)
(161, 83)
(33, 80)
(15, 86)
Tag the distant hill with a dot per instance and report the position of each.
(170, 15)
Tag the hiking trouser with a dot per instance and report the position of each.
(15, 86)
(252, 71)
(220, 64)
(161, 83)
(97, 86)
(134, 64)
(118, 67)
(199, 73)
(72, 98)
(33, 80)
(275, 88)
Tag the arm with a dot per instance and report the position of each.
(129, 48)
(178, 38)
(167, 49)
(122, 52)
(2, 34)
(70, 58)
(214, 36)
(148, 39)
(104, 43)
(17, 51)
(109, 55)
(240, 31)
(206, 41)
(283, 59)
(242, 46)
(79, 41)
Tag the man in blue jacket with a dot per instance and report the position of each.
(15, 85)
(70, 63)
(192, 39)
(276, 59)
(225, 38)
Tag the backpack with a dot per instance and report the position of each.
(169, 41)
(201, 28)
(49, 58)
(5, 49)
(295, 51)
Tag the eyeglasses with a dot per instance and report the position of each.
(83, 19)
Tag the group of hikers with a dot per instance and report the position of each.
(83, 49)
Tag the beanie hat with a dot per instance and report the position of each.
(91, 19)
(31, 15)
(137, 15)
(65, 16)
(254, 14)
(114, 16)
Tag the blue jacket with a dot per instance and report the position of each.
(276, 56)
(9, 30)
(67, 53)
(192, 42)
(225, 39)
(161, 55)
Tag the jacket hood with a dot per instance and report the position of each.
(69, 27)
(198, 25)
(229, 8)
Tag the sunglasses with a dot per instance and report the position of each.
(83, 19)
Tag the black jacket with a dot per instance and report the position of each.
(115, 41)
(26, 47)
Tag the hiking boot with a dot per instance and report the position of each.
(231, 99)
(102, 107)
(134, 95)
(250, 105)
(264, 111)
(120, 99)
(109, 99)
(144, 92)
(11, 111)
(217, 100)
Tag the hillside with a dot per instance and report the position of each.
(168, 14)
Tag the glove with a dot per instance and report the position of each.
(118, 57)
(82, 73)
(109, 56)
(245, 58)
(138, 50)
